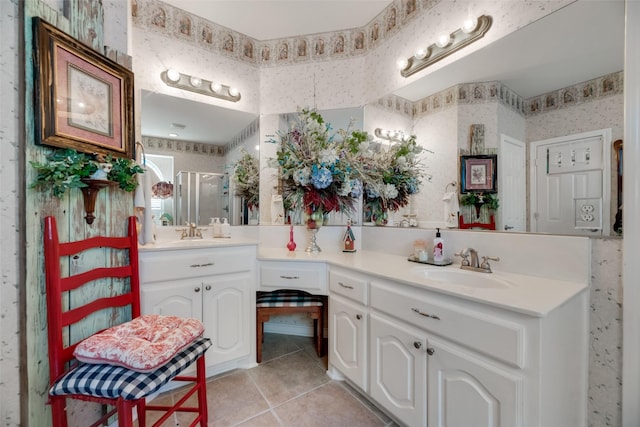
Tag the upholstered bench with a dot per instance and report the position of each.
(287, 301)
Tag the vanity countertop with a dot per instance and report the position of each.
(531, 295)
(210, 242)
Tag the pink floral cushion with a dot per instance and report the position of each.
(143, 344)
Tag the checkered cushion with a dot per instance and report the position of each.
(287, 298)
(103, 380)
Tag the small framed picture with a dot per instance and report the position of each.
(84, 100)
(478, 174)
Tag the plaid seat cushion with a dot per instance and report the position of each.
(287, 298)
(110, 381)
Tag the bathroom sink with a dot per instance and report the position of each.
(189, 242)
(459, 277)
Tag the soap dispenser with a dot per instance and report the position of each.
(225, 228)
(438, 247)
(217, 228)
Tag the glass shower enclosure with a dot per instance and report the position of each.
(201, 196)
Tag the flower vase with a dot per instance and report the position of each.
(314, 220)
(380, 218)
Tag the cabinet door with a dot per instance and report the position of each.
(399, 369)
(347, 339)
(177, 298)
(466, 391)
(227, 317)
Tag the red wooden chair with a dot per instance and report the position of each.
(121, 388)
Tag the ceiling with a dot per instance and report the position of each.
(577, 43)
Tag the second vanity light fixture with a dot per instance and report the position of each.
(445, 45)
(183, 81)
(390, 135)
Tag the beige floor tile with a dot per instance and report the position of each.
(233, 398)
(153, 416)
(281, 379)
(278, 345)
(329, 405)
(264, 420)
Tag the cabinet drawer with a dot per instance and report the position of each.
(306, 276)
(349, 285)
(180, 264)
(499, 338)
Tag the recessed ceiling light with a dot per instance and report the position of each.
(173, 135)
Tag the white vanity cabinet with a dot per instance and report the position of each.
(440, 360)
(348, 325)
(215, 285)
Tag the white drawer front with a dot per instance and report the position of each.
(349, 285)
(499, 338)
(171, 265)
(310, 277)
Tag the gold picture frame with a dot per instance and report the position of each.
(84, 100)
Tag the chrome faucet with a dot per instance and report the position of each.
(470, 261)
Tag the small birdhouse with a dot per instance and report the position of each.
(349, 239)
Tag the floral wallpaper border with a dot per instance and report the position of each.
(162, 144)
(173, 22)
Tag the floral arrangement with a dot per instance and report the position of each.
(66, 169)
(391, 175)
(316, 167)
(247, 178)
(487, 199)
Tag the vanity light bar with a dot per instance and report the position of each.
(182, 81)
(390, 135)
(446, 46)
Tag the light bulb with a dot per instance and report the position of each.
(402, 64)
(195, 81)
(216, 87)
(173, 75)
(420, 53)
(469, 25)
(443, 40)
(233, 91)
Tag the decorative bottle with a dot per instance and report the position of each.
(291, 245)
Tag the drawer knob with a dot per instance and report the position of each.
(208, 287)
(290, 277)
(430, 351)
(358, 316)
(431, 316)
(345, 286)
(417, 344)
(197, 289)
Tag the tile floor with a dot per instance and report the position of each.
(290, 388)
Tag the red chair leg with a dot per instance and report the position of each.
(58, 411)
(141, 408)
(125, 413)
(202, 391)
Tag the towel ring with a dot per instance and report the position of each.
(144, 156)
(453, 183)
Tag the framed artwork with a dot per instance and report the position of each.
(478, 174)
(84, 100)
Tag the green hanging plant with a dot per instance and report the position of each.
(473, 199)
(65, 169)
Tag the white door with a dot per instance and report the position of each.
(570, 184)
(226, 317)
(465, 391)
(399, 369)
(177, 298)
(512, 185)
(348, 331)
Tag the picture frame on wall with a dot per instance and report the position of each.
(478, 174)
(84, 100)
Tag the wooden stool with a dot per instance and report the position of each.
(286, 301)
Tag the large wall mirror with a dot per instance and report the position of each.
(192, 151)
(558, 77)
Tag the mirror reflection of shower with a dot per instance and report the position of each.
(201, 196)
